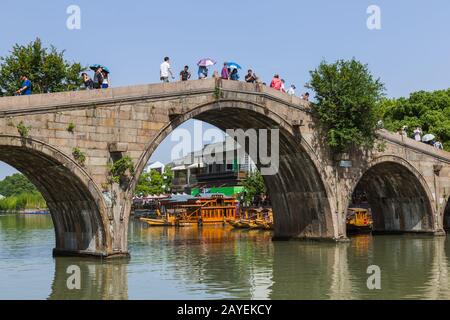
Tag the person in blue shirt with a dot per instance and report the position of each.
(202, 72)
(234, 75)
(25, 87)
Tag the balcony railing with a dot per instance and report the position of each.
(227, 175)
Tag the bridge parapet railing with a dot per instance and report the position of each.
(415, 145)
(73, 99)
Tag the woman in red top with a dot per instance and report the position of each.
(276, 82)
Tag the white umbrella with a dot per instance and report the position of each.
(428, 137)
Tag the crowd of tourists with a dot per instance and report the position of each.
(429, 139)
(229, 71)
(100, 79)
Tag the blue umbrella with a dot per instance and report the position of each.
(233, 65)
(105, 69)
(94, 67)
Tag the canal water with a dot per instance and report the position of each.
(220, 263)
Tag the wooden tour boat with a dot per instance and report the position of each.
(254, 219)
(359, 220)
(187, 210)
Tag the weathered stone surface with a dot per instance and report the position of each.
(310, 193)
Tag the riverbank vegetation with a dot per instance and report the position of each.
(154, 182)
(19, 194)
(253, 185)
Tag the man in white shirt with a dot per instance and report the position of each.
(165, 70)
(291, 90)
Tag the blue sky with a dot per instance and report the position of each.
(411, 51)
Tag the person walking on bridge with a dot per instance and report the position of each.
(234, 75)
(185, 75)
(418, 134)
(291, 90)
(225, 74)
(165, 70)
(276, 82)
(88, 83)
(305, 96)
(250, 77)
(25, 87)
(98, 78)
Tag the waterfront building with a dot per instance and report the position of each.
(195, 173)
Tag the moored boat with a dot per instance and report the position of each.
(359, 220)
(160, 220)
(254, 219)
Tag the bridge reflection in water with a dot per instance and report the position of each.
(216, 262)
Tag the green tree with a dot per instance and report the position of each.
(15, 185)
(346, 95)
(19, 194)
(45, 67)
(428, 110)
(253, 184)
(154, 182)
(143, 187)
(168, 179)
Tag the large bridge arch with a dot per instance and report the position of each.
(398, 195)
(298, 191)
(76, 205)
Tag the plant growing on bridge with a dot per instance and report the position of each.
(71, 127)
(23, 130)
(79, 156)
(218, 93)
(45, 67)
(121, 168)
(346, 97)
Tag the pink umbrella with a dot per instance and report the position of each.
(206, 62)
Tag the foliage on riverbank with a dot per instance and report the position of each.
(15, 185)
(428, 110)
(154, 182)
(23, 201)
(20, 194)
(253, 185)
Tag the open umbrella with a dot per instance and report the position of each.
(105, 69)
(206, 62)
(95, 67)
(428, 137)
(233, 65)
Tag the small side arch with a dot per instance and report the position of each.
(398, 195)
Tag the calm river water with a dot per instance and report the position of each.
(217, 262)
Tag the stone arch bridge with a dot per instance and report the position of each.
(408, 183)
